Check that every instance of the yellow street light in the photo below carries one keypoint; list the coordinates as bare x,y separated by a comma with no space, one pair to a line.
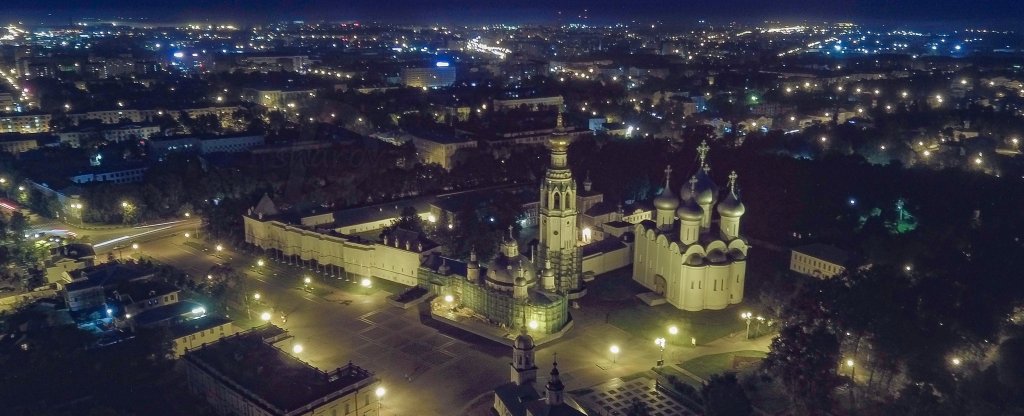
956,361
260,262
615,352
265,316
532,325
297,348
673,330
256,296
366,282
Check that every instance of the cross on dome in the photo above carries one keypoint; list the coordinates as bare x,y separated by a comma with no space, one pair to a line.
693,185
732,181
702,153
668,174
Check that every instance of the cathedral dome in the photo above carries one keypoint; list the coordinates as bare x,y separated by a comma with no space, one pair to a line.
731,206
706,191
689,211
716,256
503,271
666,201
524,341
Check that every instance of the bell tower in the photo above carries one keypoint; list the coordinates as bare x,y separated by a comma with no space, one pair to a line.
558,234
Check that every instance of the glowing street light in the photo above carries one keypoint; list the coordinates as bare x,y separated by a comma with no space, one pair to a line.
297,348
660,342
260,262
219,247
449,299
135,246
746,316
615,353
366,282
379,392
256,296
673,330
956,361
265,316
533,325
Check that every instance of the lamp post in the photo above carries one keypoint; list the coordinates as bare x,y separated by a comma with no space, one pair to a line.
660,342
757,332
615,353
379,392
746,316
305,283
265,316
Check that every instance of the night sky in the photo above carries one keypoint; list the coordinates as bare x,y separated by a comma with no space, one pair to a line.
1005,12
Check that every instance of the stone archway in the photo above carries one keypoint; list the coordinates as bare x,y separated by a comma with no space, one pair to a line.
660,284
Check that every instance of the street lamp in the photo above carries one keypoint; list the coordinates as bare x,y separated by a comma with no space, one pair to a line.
660,342
135,246
853,369
220,247
956,361
265,316
615,353
673,330
366,282
260,262
379,392
297,348
757,332
256,296
746,316
533,325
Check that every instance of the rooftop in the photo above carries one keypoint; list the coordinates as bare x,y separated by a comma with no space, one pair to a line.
167,312
270,377
197,325
107,274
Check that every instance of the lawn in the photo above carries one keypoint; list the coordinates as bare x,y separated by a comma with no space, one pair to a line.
653,322
707,365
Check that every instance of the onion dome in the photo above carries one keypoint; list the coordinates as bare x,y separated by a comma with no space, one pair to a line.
555,382
666,201
706,191
688,210
731,205
524,341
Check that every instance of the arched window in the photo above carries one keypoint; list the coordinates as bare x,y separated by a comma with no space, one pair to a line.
557,204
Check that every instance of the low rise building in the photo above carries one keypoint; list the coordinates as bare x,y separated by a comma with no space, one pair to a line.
127,173
88,287
197,333
244,374
18,143
440,149
29,123
820,260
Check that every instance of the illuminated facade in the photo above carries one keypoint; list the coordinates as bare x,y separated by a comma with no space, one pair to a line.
441,75
679,256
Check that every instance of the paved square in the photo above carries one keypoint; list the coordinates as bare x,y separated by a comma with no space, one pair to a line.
615,398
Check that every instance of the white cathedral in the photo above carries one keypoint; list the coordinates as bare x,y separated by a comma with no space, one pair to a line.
682,256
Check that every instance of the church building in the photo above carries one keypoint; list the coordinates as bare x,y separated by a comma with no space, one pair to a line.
681,255
519,397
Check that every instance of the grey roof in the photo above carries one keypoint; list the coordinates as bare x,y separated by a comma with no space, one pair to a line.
107,274
165,313
269,377
516,396
604,246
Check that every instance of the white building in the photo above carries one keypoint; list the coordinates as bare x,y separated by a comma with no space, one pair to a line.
819,260
679,255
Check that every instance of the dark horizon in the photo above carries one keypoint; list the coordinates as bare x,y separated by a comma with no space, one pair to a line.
917,13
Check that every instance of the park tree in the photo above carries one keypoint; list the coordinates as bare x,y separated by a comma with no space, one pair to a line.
724,396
